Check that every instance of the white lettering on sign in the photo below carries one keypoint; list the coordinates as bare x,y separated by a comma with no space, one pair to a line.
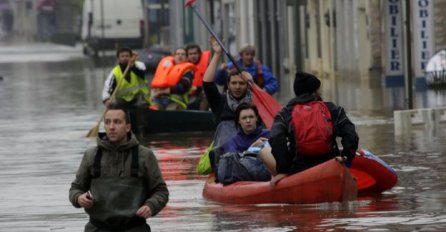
422,34
393,39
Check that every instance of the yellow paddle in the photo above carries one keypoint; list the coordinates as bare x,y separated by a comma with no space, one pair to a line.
93,133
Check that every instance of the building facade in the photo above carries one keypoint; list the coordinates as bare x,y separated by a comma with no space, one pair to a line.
350,40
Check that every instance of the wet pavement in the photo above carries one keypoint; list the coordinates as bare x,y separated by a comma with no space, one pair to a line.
49,99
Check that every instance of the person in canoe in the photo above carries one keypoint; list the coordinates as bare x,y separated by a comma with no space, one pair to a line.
304,132
262,74
223,105
119,182
240,160
201,61
130,90
172,82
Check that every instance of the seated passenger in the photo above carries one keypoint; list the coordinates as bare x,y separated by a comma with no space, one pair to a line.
240,160
304,132
223,105
172,82
201,61
261,73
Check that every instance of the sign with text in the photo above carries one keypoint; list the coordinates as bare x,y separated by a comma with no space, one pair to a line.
393,44
423,37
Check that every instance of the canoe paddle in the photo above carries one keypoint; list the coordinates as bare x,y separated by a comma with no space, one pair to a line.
93,133
268,106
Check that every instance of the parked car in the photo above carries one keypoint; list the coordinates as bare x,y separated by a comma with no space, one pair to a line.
152,56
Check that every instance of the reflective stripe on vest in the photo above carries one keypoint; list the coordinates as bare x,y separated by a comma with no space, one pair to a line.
127,91
181,100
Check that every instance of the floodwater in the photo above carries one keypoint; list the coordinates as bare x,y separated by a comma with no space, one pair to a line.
49,99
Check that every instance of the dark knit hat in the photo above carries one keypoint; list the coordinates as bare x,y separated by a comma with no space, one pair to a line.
305,83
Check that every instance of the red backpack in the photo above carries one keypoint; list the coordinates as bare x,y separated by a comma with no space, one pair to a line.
313,128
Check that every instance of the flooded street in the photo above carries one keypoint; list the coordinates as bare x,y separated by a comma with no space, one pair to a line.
50,98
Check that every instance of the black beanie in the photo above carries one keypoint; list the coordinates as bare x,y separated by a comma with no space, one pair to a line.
305,83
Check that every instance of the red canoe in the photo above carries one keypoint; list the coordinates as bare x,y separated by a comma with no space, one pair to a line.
372,174
327,182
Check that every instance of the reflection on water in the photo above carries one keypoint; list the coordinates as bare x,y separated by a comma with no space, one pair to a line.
48,107
179,154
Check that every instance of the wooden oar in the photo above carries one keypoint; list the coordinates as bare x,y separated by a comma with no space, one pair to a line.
95,130
268,106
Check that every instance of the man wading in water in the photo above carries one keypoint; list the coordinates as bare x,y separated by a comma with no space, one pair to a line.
119,182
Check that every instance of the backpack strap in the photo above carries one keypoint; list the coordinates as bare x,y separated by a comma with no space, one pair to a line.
97,163
135,160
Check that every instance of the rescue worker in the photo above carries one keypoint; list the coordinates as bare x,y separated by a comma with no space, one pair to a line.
201,60
119,182
261,73
131,90
172,81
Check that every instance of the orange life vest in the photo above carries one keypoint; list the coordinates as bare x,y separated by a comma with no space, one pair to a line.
163,68
201,68
169,74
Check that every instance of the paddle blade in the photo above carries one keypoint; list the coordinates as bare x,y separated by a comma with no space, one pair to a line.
93,133
268,106
190,3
